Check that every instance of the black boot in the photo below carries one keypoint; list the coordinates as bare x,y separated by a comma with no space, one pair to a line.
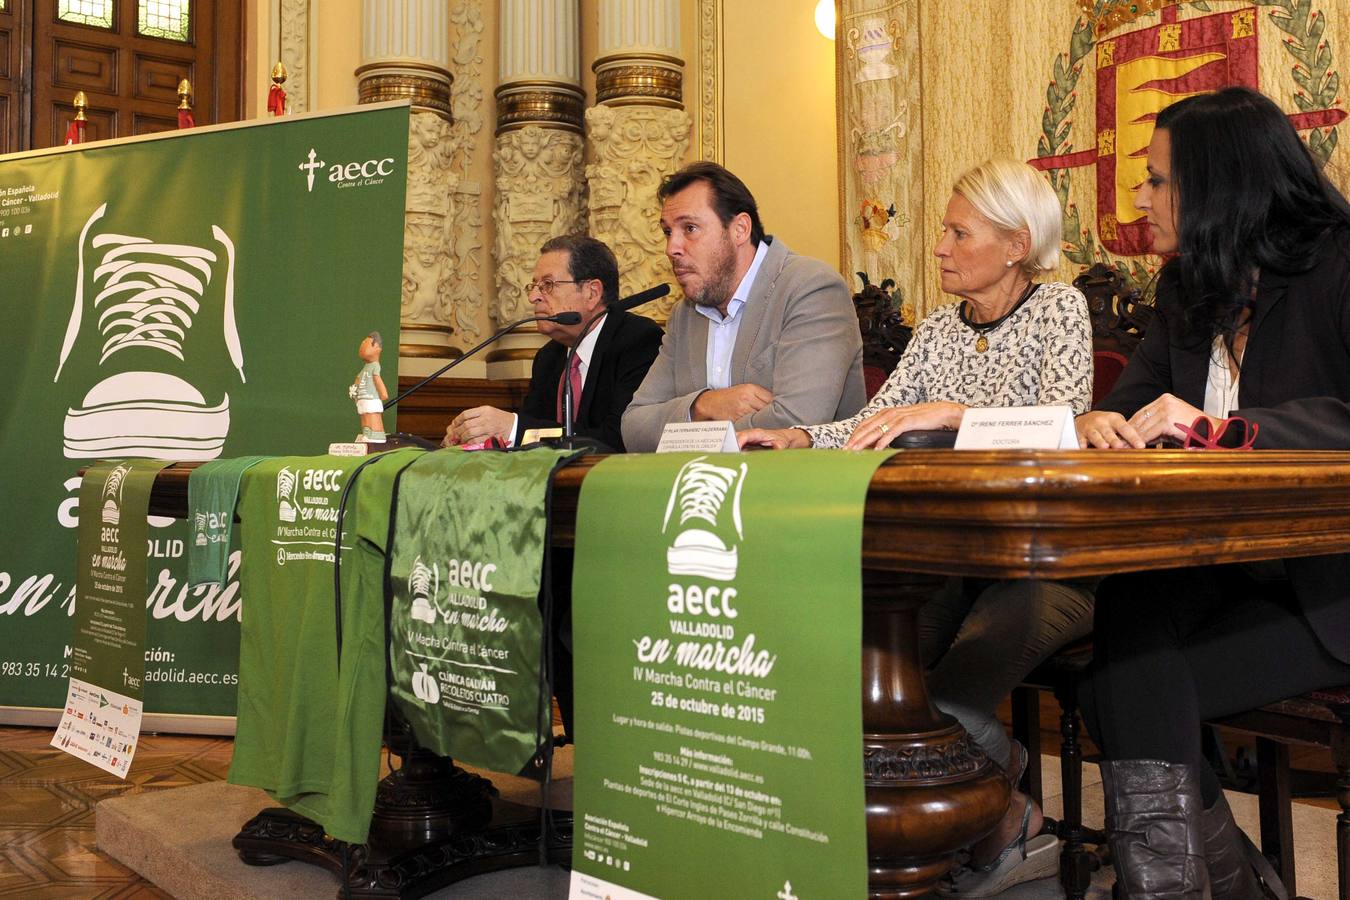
1237,871
1153,812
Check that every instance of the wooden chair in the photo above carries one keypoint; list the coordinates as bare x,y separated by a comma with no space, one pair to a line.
884,332
1319,719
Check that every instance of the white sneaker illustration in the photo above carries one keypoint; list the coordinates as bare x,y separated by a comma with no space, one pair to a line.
146,296
286,503
112,495
705,542
425,583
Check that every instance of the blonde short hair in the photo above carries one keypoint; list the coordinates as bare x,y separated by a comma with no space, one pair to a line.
1013,196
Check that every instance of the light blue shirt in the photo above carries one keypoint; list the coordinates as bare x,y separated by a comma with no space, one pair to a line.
722,330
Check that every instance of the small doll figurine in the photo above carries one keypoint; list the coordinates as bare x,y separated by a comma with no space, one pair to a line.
369,392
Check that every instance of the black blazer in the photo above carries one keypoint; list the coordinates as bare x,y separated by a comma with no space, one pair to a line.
1295,383
624,351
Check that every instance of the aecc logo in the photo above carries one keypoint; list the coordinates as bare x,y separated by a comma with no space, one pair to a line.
371,171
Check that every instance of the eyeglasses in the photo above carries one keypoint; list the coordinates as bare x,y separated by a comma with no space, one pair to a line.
1198,435
546,286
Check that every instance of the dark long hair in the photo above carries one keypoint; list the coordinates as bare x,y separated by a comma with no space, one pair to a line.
1249,196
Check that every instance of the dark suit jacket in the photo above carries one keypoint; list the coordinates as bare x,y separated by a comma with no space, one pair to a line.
624,352
1295,383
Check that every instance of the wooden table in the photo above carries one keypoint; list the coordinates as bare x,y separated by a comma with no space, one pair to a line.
1019,514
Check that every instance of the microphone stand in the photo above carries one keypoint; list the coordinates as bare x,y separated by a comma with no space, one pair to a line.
570,439
401,439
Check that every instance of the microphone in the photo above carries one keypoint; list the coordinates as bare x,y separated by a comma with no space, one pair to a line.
627,303
562,318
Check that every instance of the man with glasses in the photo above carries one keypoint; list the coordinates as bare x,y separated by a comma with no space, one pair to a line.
575,273
765,338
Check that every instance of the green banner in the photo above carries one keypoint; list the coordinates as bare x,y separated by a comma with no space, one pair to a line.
102,719
464,625
182,297
309,715
717,622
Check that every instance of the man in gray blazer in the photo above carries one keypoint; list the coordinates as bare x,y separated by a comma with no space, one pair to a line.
765,338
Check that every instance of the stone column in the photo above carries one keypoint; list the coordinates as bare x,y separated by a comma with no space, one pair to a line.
638,134
405,54
537,160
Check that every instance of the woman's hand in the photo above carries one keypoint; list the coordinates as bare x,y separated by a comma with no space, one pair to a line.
879,430
1161,418
774,438
1106,431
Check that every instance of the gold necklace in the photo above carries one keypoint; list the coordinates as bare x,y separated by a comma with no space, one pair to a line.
982,328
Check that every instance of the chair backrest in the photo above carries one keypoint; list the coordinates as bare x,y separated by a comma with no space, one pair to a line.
1106,368
884,332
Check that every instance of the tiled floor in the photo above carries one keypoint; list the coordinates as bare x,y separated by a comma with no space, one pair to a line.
47,847
47,802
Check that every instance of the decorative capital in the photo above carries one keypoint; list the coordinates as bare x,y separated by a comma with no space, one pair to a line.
551,104
635,78
428,87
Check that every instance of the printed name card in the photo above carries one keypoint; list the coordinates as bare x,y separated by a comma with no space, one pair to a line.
1017,428
698,437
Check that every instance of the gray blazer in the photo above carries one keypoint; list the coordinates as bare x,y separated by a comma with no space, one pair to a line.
798,338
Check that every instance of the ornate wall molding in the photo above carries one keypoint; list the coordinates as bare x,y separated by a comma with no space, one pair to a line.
538,181
297,47
710,144
462,295
424,86
633,148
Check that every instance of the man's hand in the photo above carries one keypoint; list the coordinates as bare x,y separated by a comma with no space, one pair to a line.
730,403
774,438
478,424
879,430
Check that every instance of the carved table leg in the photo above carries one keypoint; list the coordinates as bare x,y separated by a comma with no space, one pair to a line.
930,789
434,824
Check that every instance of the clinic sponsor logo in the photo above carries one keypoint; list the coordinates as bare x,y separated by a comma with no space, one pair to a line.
357,173
703,518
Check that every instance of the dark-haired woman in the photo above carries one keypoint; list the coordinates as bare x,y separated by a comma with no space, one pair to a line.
1253,321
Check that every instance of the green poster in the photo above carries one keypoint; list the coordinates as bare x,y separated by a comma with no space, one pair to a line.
717,622
464,625
182,297
103,707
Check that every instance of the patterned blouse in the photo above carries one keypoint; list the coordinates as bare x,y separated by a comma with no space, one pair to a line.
1041,355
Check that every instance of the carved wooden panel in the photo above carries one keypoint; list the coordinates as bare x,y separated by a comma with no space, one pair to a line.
101,125
157,78
130,78
146,124
82,67
12,42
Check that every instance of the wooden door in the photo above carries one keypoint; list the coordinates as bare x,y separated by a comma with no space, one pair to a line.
110,50
14,42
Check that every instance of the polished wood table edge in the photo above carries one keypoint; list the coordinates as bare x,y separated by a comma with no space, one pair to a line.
1058,514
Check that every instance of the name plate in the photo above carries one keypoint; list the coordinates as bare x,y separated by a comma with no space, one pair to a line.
535,435
1017,428
348,448
698,437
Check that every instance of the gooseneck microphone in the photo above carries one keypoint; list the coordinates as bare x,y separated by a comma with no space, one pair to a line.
562,318
627,303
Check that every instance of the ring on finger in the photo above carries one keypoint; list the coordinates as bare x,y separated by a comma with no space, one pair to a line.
883,427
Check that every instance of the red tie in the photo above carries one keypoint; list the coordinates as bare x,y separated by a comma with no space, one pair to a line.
574,375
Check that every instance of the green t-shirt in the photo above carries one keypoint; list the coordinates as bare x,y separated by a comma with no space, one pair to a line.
309,727
365,382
